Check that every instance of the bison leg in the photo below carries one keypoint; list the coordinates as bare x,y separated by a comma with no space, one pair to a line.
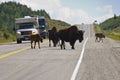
34,44
58,43
97,39
54,43
72,47
62,44
101,39
72,44
49,43
39,44
31,44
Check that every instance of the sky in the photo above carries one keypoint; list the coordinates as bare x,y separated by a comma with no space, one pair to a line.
75,11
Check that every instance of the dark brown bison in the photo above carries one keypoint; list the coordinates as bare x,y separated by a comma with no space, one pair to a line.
35,38
99,37
70,34
52,36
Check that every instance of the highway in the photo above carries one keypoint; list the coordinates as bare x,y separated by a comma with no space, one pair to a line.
89,61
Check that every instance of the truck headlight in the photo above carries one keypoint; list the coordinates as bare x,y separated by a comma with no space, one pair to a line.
34,32
18,32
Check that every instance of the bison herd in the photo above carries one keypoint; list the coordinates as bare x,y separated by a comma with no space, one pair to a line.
70,35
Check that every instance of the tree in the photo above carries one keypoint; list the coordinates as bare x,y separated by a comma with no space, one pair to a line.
115,17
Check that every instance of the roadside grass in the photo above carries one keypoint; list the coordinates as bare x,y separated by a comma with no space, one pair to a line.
114,36
3,41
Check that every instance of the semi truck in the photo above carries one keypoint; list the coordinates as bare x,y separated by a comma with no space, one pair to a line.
29,25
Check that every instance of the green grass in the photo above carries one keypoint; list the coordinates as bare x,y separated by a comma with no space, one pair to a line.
114,37
3,41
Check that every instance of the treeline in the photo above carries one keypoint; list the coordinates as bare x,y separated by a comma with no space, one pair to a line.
11,10
111,23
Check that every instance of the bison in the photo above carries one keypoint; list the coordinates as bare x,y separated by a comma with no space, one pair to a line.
52,35
99,37
70,34
35,38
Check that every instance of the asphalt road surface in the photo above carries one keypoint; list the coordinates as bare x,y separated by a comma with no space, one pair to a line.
89,61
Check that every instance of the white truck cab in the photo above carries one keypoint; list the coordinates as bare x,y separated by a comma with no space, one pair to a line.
25,27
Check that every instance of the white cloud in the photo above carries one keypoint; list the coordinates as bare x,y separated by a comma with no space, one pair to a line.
57,11
108,12
42,4
39,4
72,16
105,9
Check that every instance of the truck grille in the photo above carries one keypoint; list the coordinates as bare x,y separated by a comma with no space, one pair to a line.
26,32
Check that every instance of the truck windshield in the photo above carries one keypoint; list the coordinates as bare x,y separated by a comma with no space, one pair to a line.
42,23
26,26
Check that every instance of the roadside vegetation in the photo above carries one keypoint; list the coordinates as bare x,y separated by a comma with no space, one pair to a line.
6,36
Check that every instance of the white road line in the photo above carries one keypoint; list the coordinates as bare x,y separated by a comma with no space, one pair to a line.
73,77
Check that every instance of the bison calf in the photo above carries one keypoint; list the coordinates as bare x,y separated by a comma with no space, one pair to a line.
99,37
35,38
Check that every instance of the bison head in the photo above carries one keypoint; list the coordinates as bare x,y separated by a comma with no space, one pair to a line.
81,35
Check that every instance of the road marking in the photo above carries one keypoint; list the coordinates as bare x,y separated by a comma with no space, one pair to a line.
15,52
73,77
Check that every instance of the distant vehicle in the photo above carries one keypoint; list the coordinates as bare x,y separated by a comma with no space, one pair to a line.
29,25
